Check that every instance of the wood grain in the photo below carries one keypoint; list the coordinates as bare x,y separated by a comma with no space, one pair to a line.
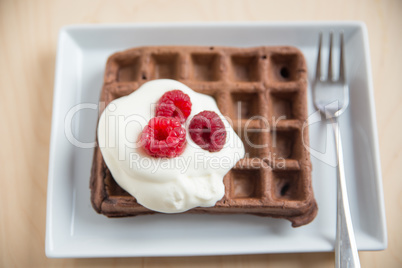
28,40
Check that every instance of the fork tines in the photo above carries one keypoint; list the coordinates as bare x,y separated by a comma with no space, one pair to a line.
330,75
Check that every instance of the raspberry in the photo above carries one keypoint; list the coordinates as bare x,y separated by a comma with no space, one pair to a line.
208,131
175,104
163,137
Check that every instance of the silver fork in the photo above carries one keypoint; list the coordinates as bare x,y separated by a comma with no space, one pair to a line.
328,100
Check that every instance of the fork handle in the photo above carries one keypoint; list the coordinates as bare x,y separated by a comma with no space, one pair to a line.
346,254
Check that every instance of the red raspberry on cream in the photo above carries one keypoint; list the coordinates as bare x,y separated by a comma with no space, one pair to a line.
208,131
163,137
175,104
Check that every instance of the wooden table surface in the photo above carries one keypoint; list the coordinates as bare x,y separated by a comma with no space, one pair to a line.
28,40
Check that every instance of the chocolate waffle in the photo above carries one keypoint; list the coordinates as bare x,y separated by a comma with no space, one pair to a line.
262,90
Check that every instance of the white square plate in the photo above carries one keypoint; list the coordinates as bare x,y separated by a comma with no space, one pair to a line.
74,229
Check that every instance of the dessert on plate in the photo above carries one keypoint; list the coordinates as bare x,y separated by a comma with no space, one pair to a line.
251,102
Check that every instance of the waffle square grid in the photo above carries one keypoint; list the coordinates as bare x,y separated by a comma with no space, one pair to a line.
262,90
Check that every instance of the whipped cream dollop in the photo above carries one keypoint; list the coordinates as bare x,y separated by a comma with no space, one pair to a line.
169,185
